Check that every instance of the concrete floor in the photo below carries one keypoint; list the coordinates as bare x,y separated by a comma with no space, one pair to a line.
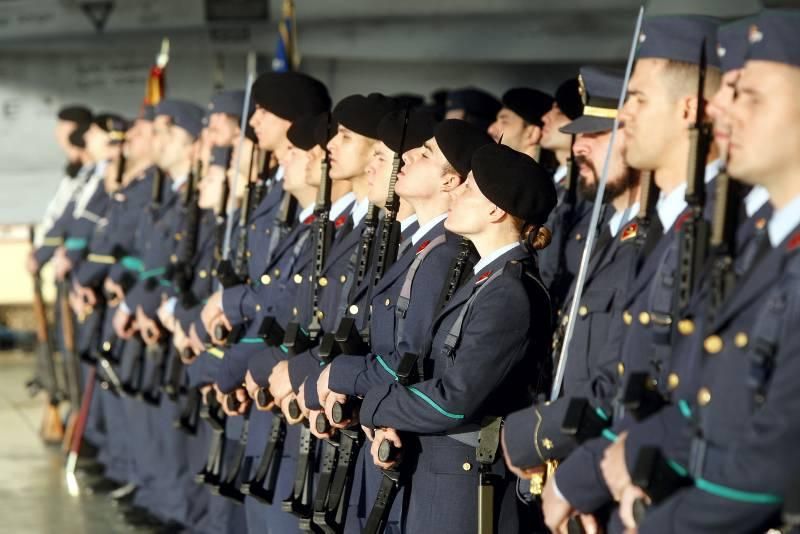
33,492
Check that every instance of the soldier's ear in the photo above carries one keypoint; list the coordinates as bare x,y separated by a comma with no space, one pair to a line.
496,214
532,135
450,181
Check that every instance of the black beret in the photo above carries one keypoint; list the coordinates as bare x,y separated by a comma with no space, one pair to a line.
186,115
229,102
774,37
301,132
515,182
325,129
148,113
458,140
220,156
408,100
474,101
78,114
530,104
679,38
420,127
362,114
291,95
568,98
732,43
600,89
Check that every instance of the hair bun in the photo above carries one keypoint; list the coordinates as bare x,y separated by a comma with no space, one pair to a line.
537,237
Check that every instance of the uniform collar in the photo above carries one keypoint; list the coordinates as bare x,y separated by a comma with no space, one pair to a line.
100,168
755,199
783,222
408,221
489,258
560,174
672,205
423,230
306,213
359,210
341,203
621,218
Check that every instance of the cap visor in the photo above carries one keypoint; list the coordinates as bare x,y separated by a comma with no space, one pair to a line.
586,124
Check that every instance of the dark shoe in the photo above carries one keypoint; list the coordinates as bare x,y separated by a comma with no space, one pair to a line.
102,486
89,467
140,517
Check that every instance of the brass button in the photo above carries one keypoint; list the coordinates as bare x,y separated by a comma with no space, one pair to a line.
578,237
323,281
258,307
203,274
620,368
741,340
253,226
106,346
627,318
342,279
178,236
644,318
673,381
213,272
547,444
266,279
583,311
713,344
353,310
298,279
466,466
320,315
294,311
686,327
248,254
761,223
703,396
387,302
276,272
173,258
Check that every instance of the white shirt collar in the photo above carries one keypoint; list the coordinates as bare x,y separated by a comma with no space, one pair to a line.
279,174
178,182
486,260
408,221
757,197
422,230
359,210
560,174
671,206
621,218
340,204
783,222
100,168
305,213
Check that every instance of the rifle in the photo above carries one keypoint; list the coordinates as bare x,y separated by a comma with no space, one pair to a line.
52,429
76,436
695,229
157,194
722,277
264,159
72,370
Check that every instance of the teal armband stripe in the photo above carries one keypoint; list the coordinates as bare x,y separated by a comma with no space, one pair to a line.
609,435
736,495
386,367
251,340
165,283
284,349
132,263
678,468
76,243
601,414
433,405
152,273
686,411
